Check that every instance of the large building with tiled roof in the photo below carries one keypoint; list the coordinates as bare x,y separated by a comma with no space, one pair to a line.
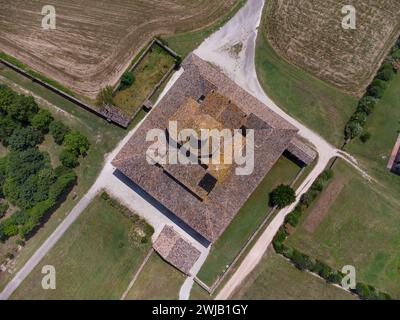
207,197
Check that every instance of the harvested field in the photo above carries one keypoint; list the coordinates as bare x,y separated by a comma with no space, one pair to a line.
310,35
95,40
322,206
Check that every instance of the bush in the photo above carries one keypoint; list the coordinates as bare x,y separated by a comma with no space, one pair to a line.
105,97
365,137
58,130
25,138
326,175
386,75
360,117
127,80
302,261
77,143
375,91
42,120
366,104
308,198
9,255
69,159
353,130
22,109
293,218
282,196
280,236
380,83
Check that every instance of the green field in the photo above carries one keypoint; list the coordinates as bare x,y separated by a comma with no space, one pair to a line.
318,105
360,228
185,43
384,126
277,279
147,75
95,259
157,281
246,221
103,137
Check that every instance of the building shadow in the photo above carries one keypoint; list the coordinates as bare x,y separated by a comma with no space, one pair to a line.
165,211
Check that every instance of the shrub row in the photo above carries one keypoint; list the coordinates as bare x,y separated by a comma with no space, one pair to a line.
293,218
355,126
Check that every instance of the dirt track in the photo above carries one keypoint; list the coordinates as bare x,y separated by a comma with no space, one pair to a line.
95,40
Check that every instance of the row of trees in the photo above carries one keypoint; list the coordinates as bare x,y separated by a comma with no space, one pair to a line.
355,126
27,178
304,262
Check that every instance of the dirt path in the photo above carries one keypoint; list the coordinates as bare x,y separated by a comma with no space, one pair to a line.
321,208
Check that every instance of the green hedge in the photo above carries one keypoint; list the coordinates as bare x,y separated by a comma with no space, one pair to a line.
355,126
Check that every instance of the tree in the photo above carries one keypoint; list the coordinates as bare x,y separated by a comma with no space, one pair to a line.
127,80
69,159
58,130
77,143
7,127
282,196
25,138
42,120
386,74
105,97
23,108
7,97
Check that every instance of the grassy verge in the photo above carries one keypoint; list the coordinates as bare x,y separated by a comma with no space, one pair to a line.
359,228
246,221
103,137
318,105
147,75
185,43
157,281
276,278
95,259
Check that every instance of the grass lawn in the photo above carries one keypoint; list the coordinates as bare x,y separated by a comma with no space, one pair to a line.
384,126
360,228
95,259
147,74
277,279
246,221
185,43
318,105
103,137
157,281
